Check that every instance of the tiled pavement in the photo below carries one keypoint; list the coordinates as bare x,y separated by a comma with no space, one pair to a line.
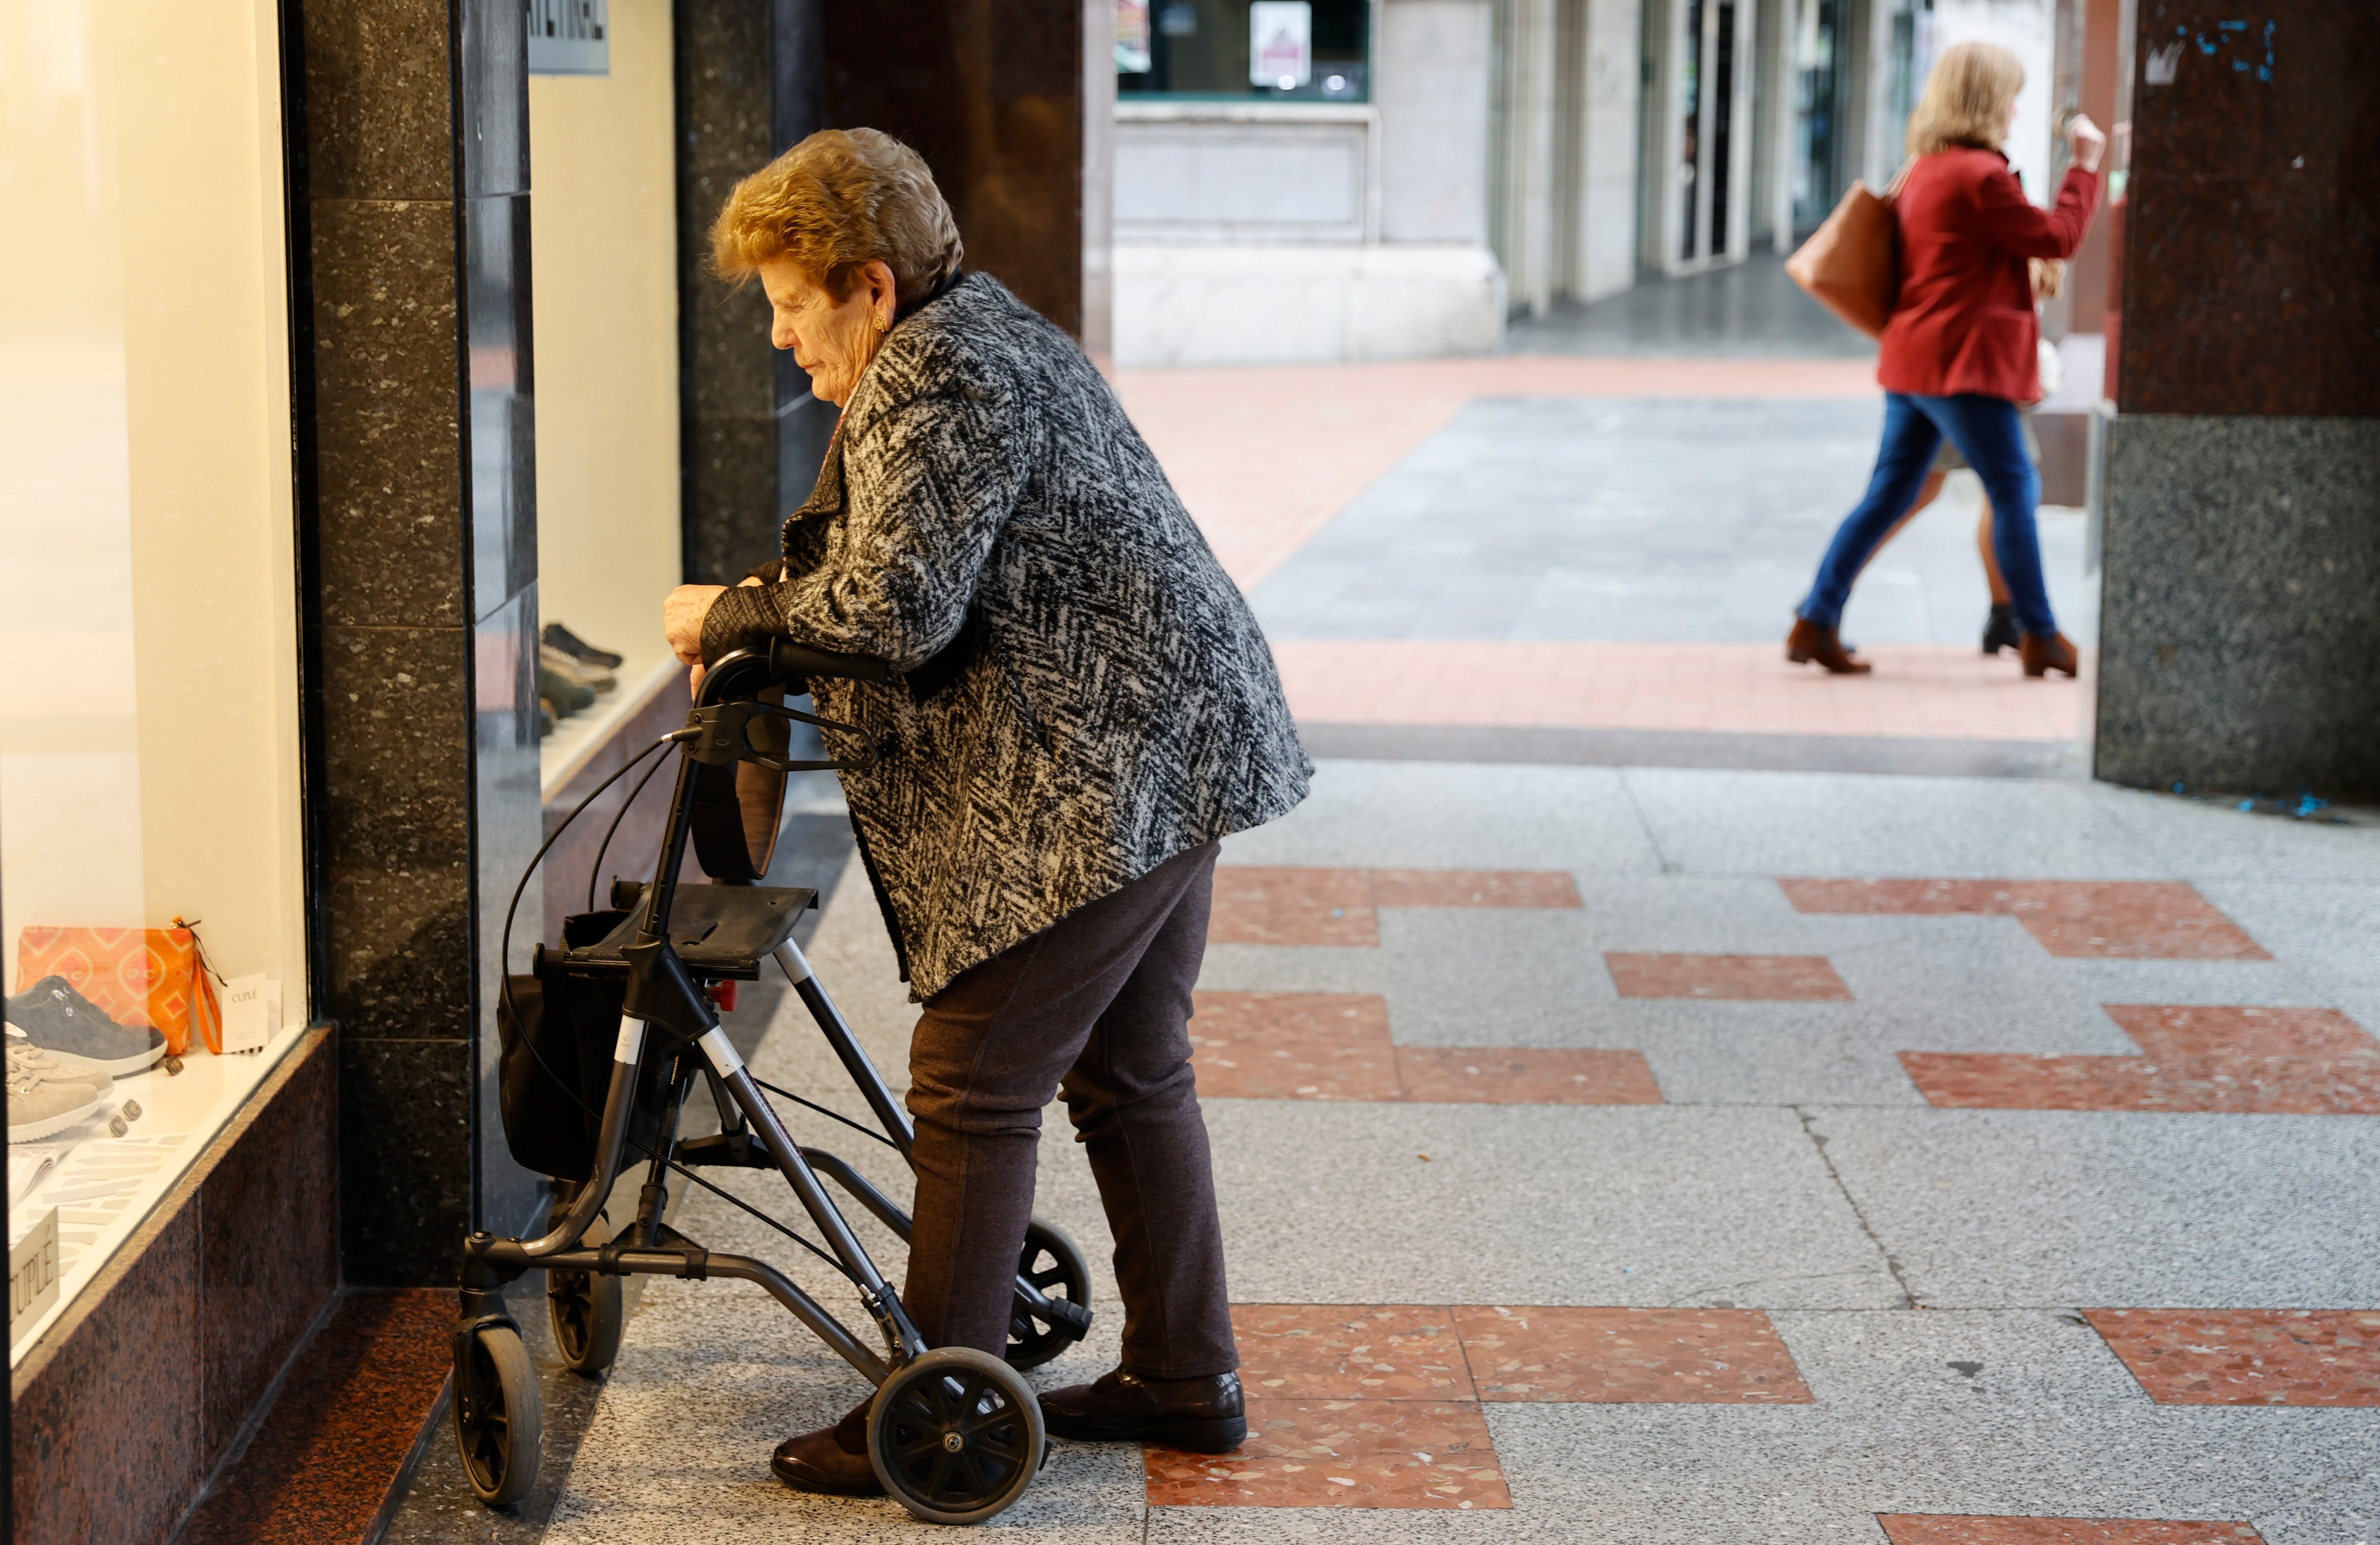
1770,1256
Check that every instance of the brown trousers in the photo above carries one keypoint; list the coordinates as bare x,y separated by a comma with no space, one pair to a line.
1096,1005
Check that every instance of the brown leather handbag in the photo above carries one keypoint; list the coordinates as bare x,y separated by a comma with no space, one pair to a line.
1851,263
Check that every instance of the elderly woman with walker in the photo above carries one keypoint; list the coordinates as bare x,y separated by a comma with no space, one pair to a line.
1080,706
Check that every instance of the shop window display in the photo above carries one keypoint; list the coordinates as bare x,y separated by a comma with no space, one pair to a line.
1266,49
151,885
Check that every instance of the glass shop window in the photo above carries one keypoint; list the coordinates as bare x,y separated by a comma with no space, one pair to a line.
151,900
1266,49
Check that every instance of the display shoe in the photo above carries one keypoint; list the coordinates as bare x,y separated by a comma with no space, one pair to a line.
23,1052
2000,629
70,1027
41,1106
566,696
2045,652
593,677
1205,1416
832,1461
544,718
1809,643
577,648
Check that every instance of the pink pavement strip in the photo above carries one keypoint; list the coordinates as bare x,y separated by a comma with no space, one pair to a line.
1265,456
1946,691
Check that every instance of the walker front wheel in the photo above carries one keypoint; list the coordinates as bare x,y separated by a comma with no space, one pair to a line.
498,1417
955,1436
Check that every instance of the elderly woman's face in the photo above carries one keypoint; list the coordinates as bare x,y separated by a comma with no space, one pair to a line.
833,340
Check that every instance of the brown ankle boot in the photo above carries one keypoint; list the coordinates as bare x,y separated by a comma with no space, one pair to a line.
1809,643
2043,653
832,1461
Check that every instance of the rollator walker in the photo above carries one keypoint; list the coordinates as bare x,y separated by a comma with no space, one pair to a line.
603,1042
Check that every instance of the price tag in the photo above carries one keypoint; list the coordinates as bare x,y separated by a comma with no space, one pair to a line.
33,1273
251,1013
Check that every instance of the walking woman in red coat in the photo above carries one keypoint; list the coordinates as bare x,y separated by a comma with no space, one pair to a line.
1961,349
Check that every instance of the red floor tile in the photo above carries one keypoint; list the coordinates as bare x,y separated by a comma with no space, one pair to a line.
2197,1030
1293,1046
1543,889
1337,1046
1525,1075
2137,920
1744,977
1350,1352
1925,1529
2247,1356
1292,906
1665,1357
1400,1454
2244,1061
330,1451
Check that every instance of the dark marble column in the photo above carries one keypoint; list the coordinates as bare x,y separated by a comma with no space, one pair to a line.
751,433
2241,616
411,205
991,93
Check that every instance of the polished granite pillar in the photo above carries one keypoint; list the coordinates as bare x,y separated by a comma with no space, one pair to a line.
752,436
2240,632
991,93
409,211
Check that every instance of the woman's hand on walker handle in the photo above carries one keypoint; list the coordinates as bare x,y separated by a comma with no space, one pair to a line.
682,619
2086,140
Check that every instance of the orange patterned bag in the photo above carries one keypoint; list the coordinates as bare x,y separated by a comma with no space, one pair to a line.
156,977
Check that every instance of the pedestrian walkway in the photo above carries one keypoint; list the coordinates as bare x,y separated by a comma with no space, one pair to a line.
1654,1155
1603,543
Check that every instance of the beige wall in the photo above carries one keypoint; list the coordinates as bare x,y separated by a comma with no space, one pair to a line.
602,251
148,727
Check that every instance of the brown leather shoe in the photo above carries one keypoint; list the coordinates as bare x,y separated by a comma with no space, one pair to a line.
1205,1416
1810,642
2042,654
832,1461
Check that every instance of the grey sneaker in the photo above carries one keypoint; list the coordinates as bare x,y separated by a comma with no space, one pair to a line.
40,1106
23,1054
77,1032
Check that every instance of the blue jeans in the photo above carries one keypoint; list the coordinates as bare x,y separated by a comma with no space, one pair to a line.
1986,433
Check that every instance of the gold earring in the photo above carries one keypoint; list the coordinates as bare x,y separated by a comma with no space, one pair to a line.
881,322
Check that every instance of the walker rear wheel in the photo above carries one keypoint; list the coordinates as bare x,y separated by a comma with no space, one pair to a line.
586,1310
1054,1263
955,1436
498,1420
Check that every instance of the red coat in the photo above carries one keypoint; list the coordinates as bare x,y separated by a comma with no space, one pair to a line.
1963,321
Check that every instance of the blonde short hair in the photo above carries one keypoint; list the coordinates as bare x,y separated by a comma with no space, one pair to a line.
836,202
1967,96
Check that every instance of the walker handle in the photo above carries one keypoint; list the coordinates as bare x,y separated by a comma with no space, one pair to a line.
788,659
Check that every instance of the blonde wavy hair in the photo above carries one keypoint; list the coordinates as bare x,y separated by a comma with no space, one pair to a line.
840,198
1966,99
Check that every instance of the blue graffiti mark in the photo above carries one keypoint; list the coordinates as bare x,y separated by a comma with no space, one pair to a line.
2213,44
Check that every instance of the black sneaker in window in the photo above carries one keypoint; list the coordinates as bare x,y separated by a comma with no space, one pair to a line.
577,648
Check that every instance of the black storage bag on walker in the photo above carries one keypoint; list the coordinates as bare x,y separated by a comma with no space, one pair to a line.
558,1034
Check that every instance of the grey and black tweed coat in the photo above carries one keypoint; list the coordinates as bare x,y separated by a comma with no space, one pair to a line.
1086,694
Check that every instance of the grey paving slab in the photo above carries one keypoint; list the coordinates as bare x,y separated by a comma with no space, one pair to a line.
1748,308
2342,1510
2048,1424
1456,815
1650,520
2117,1210
2213,840
1325,1202
2334,925
1712,822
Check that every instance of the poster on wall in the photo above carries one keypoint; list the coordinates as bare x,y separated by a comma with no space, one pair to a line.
1132,53
1280,44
